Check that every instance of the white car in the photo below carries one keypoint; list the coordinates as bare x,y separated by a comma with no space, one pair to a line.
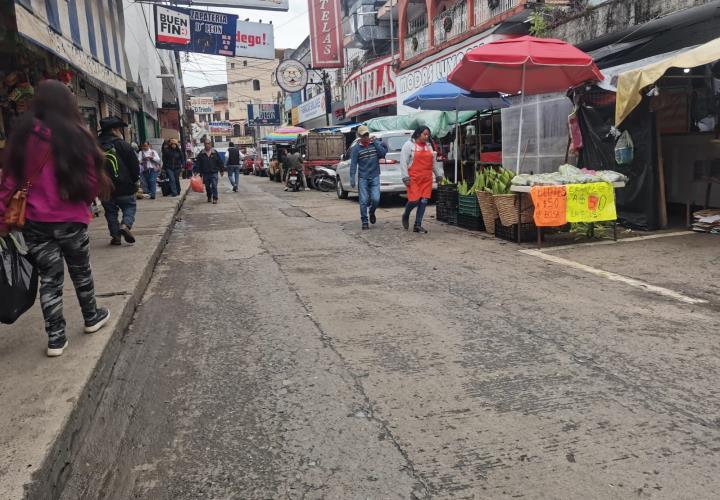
390,176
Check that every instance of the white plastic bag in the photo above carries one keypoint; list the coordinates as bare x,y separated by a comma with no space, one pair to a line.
624,149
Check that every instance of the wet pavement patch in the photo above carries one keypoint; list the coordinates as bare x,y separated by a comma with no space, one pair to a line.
293,212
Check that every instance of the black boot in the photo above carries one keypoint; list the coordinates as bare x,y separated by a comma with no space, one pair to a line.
419,229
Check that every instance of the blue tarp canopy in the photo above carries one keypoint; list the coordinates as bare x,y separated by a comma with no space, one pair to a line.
444,96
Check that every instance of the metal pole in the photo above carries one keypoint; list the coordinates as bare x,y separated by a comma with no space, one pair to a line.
392,34
457,143
522,107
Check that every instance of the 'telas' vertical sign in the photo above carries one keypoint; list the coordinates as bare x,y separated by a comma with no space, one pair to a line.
325,34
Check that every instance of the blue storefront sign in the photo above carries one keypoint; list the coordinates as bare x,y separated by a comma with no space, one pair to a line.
264,114
191,30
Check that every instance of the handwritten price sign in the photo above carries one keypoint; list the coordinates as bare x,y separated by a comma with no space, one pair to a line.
591,202
550,205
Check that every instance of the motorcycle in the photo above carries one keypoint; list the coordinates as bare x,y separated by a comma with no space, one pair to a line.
294,182
323,179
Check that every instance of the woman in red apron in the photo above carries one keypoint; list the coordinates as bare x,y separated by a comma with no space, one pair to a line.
418,166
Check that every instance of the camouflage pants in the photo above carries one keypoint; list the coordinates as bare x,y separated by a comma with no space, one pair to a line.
48,244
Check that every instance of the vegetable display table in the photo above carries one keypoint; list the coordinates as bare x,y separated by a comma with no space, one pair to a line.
528,189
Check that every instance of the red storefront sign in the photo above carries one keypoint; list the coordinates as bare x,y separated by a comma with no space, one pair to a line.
325,33
370,87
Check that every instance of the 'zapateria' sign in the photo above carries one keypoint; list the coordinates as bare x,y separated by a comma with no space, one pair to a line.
195,30
370,87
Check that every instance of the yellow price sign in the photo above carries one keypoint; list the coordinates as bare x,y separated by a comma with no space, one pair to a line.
591,202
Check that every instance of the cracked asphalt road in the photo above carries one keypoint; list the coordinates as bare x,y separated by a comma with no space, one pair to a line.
279,355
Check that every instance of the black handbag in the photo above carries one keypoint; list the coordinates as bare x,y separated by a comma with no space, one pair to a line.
18,279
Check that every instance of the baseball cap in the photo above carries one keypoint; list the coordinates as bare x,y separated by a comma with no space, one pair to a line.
362,130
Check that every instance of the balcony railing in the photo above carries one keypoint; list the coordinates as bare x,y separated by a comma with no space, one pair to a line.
485,10
451,23
416,43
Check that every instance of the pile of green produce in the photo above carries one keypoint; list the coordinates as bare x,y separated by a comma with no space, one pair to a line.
488,180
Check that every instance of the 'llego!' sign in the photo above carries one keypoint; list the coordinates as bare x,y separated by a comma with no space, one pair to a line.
325,34
254,40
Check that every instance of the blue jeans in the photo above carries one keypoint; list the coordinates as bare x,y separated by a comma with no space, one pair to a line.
421,205
128,205
150,177
211,185
234,175
173,177
369,196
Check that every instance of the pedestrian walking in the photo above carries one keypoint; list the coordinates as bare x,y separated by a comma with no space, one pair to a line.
417,165
56,158
173,162
365,161
209,164
123,168
233,162
150,165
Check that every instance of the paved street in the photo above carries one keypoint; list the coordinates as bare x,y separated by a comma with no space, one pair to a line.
280,352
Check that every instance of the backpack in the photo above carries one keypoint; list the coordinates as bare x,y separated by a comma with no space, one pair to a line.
112,164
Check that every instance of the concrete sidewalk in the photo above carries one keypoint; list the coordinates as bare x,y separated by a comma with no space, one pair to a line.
39,412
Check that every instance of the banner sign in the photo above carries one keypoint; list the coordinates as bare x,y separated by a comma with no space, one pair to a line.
591,202
326,46
191,30
370,87
312,108
202,105
244,140
550,205
295,116
254,40
264,114
220,128
280,5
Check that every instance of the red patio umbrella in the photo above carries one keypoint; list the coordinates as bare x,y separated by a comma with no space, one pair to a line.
526,65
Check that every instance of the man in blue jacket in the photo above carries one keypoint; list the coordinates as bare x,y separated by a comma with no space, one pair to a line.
365,161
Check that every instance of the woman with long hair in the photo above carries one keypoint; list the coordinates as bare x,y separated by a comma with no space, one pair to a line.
51,150
417,164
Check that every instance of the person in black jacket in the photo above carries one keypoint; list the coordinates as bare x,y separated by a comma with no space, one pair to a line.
123,168
209,164
233,162
173,162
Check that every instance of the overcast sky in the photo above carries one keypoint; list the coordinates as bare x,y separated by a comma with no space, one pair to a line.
291,28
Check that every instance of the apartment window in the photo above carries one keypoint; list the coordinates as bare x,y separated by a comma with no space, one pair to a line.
74,26
216,117
227,115
103,33
232,65
256,85
26,3
51,7
113,16
244,63
91,28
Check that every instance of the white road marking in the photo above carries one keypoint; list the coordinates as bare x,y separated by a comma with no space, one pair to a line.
623,240
665,292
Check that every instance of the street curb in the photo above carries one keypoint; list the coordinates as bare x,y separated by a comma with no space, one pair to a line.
49,479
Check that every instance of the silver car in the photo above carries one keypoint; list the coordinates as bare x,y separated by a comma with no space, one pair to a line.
390,177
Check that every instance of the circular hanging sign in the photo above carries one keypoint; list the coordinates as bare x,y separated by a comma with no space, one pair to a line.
291,75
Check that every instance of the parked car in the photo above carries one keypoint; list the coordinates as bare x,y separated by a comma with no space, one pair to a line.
390,177
248,166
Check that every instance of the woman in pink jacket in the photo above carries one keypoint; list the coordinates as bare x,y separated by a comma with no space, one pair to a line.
51,148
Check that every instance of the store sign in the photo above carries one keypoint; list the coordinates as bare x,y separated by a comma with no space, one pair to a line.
312,108
370,87
202,105
35,29
435,67
255,40
244,140
326,47
264,114
169,118
295,116
220,128
291,75
280,5
198,31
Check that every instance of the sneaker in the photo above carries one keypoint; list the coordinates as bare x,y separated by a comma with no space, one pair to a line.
214,202
419,229
406,222
307,189
56,348
373,219
115,240
101,317
365,226
125,232
285,189
235,189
